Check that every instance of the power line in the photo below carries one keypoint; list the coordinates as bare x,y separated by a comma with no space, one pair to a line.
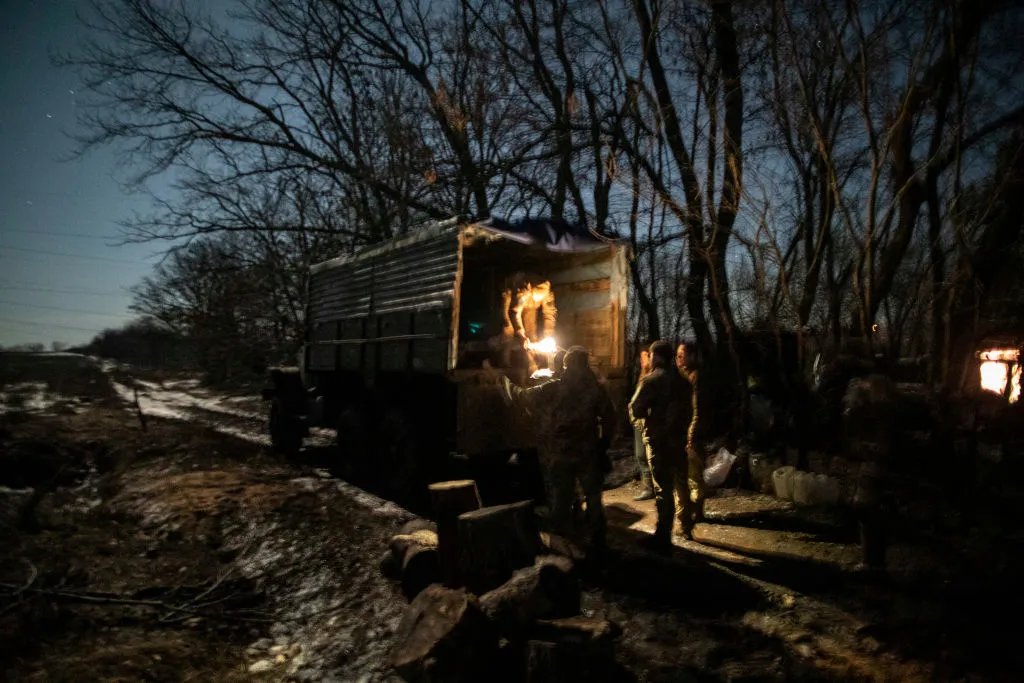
57,233
78,256
11,321
15,288
62,310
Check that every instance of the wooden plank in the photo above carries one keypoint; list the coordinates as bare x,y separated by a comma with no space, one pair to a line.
603,284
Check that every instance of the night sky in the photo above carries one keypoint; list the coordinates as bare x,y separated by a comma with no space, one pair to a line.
63,276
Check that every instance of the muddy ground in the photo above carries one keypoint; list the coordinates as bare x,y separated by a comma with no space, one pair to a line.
188,551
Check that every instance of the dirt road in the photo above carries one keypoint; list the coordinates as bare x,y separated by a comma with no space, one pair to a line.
187,551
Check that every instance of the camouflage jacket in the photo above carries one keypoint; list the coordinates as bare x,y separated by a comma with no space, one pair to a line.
569,415
664,401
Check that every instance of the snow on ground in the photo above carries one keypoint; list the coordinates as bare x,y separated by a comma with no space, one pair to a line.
188,394
28,397
243,417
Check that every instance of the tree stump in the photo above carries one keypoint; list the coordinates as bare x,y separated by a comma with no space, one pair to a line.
494,542
449,499
417,555
444,636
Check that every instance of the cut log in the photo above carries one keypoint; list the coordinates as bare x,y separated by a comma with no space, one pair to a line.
449,499
420,568
547,590
416,554
494,542
560,545
582,630
577,648
402,542
417,524
444,636
389,565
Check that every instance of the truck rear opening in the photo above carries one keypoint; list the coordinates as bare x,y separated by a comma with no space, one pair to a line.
408,336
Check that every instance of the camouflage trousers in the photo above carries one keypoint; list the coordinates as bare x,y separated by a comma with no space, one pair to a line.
562,475
678,473
643,469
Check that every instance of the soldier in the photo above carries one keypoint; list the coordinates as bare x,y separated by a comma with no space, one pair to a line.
869,424
693,508
643,467
575,416
663,401
529,315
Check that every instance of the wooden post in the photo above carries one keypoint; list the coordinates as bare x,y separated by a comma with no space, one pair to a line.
449,499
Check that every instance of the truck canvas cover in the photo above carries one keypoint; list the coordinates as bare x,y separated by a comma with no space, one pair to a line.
396,306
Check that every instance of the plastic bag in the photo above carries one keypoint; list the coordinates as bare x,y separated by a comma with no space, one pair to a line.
717,467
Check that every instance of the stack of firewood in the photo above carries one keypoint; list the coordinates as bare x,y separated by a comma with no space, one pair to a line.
491,598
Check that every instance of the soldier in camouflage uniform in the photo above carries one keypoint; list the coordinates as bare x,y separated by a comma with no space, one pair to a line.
574,417
663,400
870,409
693,504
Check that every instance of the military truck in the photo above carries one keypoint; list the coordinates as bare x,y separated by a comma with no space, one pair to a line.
401,344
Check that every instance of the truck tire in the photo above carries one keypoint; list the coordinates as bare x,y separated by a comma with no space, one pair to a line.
285,432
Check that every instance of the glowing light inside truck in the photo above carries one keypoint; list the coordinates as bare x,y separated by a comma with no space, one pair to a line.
1005,355
1001,369
993,376
545,345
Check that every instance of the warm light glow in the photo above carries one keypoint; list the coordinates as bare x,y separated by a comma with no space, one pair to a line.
1011,355
538,296
542,373
1015,384
993,377
545,345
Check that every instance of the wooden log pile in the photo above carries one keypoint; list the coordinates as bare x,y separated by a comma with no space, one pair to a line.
501,603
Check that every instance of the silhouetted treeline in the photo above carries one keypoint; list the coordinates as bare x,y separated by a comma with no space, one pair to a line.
145,345
829,169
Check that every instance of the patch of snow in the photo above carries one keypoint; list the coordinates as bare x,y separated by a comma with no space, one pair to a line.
28,397
148,405
183,399
190,383
57,354
175,406
251,437
379,506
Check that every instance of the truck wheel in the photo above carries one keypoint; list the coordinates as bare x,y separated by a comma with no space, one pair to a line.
285,436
